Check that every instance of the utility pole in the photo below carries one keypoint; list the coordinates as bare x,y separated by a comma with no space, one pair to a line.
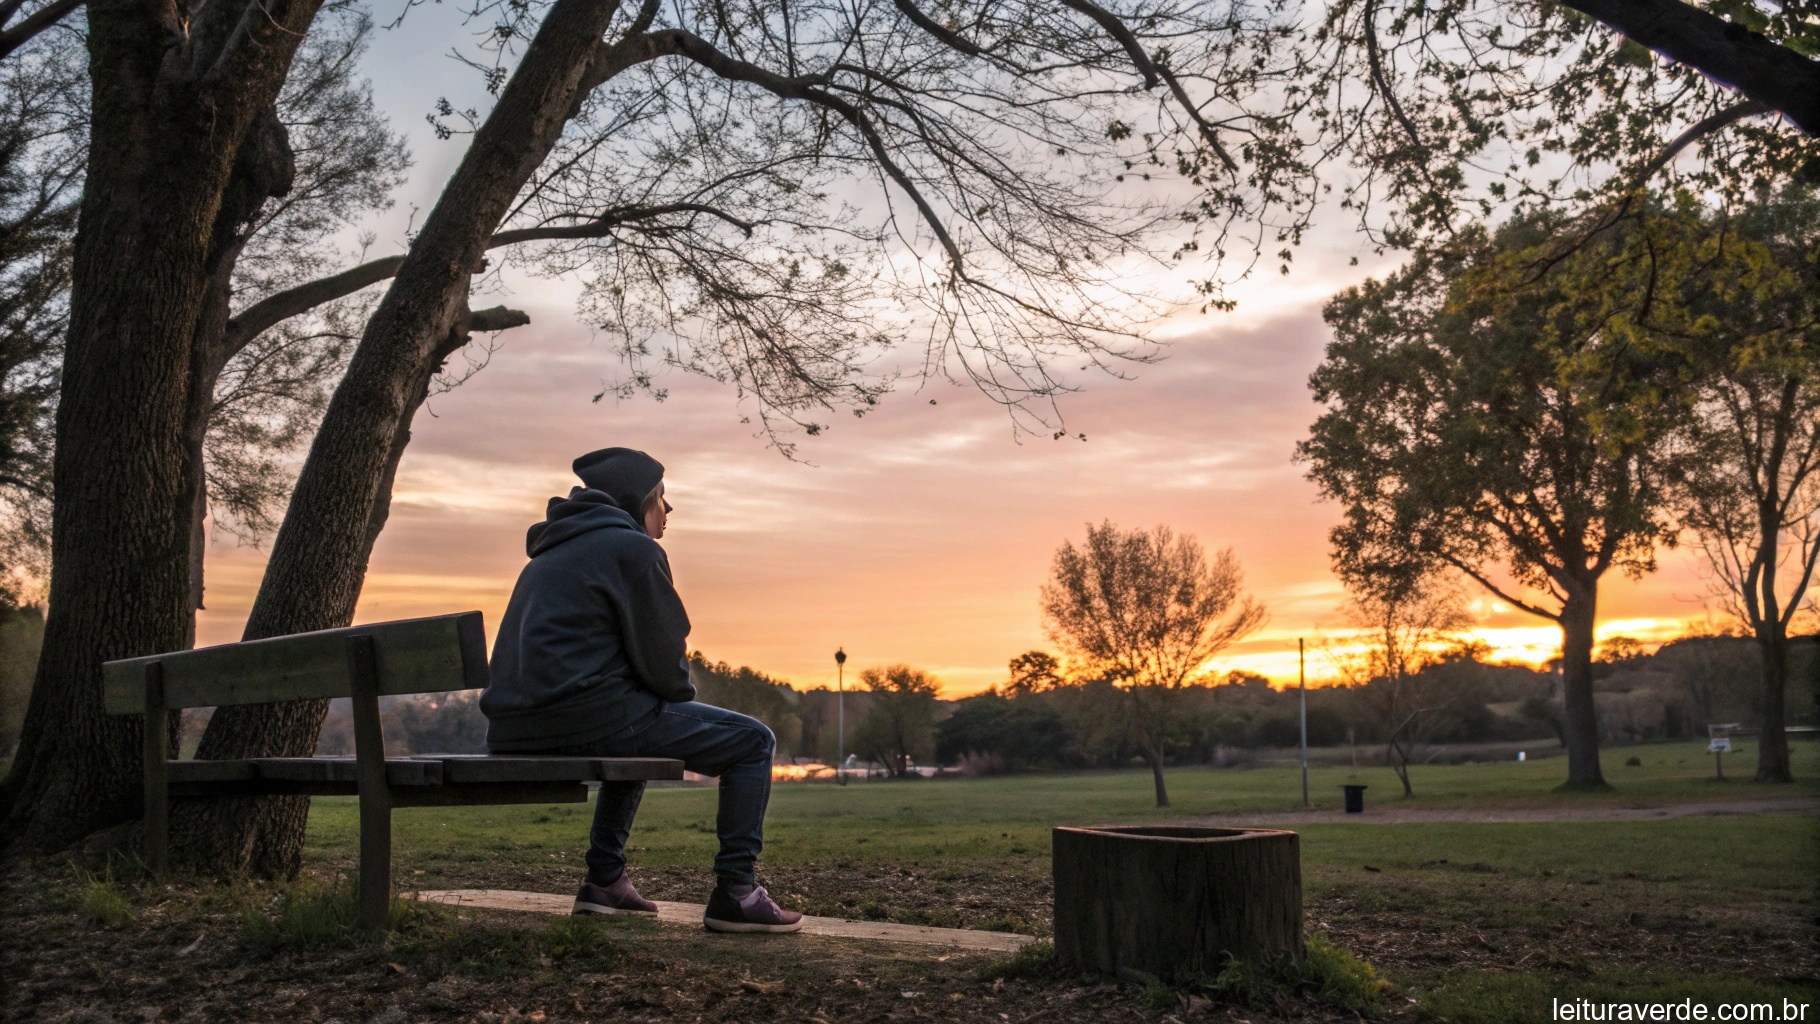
840,715
1301,657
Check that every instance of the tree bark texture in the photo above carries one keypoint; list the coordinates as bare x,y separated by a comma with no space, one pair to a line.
1155,759
1174,902
264,835
173,107
1580,715
319,557
1772,745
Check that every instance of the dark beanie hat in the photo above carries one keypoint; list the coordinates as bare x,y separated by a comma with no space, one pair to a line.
625,475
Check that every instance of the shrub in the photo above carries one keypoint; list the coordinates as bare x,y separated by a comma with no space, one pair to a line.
99,901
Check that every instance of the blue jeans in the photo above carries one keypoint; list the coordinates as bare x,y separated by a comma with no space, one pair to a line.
709,741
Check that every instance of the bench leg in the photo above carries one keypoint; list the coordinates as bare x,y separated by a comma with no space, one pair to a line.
375,897
157,772
373,908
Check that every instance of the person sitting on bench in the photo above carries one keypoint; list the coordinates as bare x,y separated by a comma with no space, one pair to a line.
590,661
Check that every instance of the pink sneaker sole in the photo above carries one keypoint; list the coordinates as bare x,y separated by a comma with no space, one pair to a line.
747,926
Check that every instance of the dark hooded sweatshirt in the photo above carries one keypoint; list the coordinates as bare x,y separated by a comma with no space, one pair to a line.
593,639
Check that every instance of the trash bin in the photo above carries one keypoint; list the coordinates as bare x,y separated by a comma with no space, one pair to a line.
1355,799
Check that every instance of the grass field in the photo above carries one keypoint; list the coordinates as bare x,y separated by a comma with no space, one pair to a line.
1008,818
1467,921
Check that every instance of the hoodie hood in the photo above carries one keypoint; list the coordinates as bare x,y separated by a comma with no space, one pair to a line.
583,511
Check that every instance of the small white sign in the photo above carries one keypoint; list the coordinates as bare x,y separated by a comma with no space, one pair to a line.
1721,745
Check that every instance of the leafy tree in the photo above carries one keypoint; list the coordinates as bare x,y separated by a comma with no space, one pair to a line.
1034,672
1014,732
1510,417
899,724
1751,493
1146,610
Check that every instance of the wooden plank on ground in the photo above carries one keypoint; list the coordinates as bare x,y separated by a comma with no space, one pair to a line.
429,655
690,914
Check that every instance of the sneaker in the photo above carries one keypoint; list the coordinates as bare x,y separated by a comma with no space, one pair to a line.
753,912
618,898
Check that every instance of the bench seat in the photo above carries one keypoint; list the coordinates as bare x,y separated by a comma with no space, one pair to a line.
430,770
421,781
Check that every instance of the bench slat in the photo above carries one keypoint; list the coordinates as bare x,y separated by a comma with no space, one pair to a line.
436,769
482,768
489,793
212,771
429,655
399,771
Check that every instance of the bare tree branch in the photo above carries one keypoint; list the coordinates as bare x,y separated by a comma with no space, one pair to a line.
953,40
261,316
44,17
1774,75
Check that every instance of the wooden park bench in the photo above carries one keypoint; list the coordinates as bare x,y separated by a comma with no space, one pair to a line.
431,655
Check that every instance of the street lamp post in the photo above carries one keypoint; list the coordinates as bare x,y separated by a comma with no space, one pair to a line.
1301,659
840,715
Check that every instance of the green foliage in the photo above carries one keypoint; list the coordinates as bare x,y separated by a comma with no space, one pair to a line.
99,899
899,724
1489,410
1324,974
1335,977
1019,732
1034,961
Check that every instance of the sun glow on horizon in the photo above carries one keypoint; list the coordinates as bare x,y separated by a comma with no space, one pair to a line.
1531,646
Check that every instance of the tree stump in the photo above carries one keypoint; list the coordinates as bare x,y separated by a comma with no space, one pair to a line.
1172,902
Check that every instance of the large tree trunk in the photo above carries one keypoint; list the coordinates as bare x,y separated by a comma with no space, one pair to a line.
1154,758
264,835
1579,712
319,558
171,109
1772,745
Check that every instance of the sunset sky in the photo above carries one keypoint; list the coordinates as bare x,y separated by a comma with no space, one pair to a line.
919,534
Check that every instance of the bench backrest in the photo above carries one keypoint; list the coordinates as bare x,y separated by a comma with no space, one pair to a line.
430,655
